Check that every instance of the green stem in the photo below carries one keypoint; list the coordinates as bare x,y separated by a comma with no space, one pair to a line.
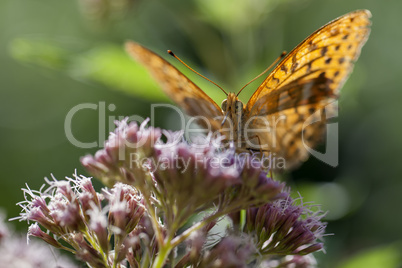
146,260
195,227
151,212
242,219
163,253
94,243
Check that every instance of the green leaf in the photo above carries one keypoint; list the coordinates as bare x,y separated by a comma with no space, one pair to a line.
106,64
111,66
385,257
39,52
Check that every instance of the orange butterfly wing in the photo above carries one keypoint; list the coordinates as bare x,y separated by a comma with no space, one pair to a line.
304,82
178,87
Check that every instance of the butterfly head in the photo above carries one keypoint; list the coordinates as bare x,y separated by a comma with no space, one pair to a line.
233,110
232,104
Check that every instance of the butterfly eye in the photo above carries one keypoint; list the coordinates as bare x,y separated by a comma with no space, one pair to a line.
224,105
239,106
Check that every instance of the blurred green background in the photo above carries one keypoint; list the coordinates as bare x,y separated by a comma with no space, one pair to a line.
57,54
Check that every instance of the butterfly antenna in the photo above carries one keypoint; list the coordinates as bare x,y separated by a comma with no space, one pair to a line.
172,54
266,70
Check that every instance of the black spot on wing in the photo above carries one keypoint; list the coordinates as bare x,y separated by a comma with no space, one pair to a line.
309,66
294,66
324,51
284,68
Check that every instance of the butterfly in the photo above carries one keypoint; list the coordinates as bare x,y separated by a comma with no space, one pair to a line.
288,110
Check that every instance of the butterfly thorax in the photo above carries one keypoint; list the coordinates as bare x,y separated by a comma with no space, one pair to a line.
233,111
